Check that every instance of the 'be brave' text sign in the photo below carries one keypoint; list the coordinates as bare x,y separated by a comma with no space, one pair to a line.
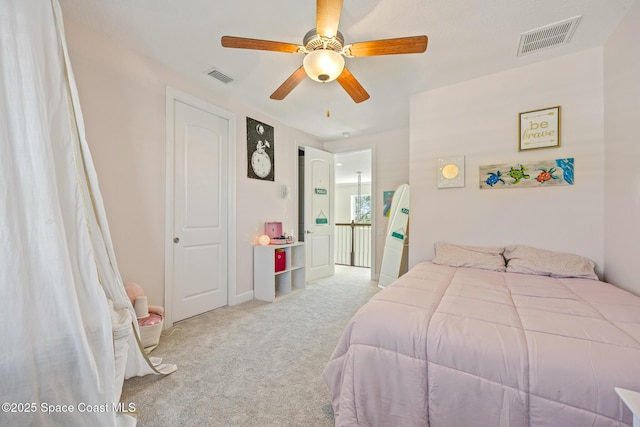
540,129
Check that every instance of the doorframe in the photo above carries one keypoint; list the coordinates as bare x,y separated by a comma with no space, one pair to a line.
173,95
374,192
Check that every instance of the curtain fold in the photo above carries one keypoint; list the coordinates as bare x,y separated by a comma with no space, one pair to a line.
62,300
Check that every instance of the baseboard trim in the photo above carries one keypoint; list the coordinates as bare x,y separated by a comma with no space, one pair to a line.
239,299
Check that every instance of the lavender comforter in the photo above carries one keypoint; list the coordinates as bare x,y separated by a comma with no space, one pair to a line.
447,347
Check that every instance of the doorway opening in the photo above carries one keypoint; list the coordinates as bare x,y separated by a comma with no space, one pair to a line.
353,202
354,208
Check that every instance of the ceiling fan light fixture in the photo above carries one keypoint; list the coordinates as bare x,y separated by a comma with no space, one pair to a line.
323,65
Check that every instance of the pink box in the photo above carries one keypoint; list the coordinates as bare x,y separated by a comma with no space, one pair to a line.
281,260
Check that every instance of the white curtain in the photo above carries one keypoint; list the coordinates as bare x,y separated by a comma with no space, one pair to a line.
62,301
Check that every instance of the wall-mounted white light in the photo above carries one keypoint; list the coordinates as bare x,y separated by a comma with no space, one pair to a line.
451,172
284,191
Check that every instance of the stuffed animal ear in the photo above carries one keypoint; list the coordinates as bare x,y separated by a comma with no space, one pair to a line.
133,290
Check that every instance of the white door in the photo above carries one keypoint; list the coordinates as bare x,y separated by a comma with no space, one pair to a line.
200,217
318,213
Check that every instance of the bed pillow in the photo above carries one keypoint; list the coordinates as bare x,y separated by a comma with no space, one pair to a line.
541,262
487,258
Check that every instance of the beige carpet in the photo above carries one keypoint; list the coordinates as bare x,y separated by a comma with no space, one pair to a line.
254,364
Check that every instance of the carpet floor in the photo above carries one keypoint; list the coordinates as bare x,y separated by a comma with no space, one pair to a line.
254,364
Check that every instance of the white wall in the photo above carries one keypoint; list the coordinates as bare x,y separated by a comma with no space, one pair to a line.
390,169
123,100
622,153
479,119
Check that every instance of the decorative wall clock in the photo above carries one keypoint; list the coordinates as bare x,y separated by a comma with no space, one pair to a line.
260,150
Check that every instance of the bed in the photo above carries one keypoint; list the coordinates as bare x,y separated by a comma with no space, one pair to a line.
464,341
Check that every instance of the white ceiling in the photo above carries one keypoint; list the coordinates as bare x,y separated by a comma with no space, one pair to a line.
467,39
347,166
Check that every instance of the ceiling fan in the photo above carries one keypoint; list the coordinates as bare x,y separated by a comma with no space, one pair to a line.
324,51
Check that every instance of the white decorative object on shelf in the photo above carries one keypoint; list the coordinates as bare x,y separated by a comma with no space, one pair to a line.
268,284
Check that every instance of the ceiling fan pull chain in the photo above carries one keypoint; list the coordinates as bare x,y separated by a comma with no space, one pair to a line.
328,109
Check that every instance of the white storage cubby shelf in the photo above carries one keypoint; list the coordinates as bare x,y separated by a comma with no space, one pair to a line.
269,284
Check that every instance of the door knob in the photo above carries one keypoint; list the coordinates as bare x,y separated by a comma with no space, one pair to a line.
176,240
308,231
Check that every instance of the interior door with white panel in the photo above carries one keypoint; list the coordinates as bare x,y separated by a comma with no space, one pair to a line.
200,215
318,213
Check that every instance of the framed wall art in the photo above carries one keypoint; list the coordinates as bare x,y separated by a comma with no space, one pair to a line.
541,173
539,129
260,150
387,197
451,172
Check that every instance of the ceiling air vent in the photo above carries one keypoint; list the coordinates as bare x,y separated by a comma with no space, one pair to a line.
218,75
549,36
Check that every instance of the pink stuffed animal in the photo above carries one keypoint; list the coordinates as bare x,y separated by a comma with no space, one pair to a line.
134,290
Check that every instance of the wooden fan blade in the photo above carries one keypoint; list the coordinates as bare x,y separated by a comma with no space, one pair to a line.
352,86
289,84
244,43
328,17
416,44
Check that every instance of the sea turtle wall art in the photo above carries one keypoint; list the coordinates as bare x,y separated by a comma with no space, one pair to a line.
543,173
